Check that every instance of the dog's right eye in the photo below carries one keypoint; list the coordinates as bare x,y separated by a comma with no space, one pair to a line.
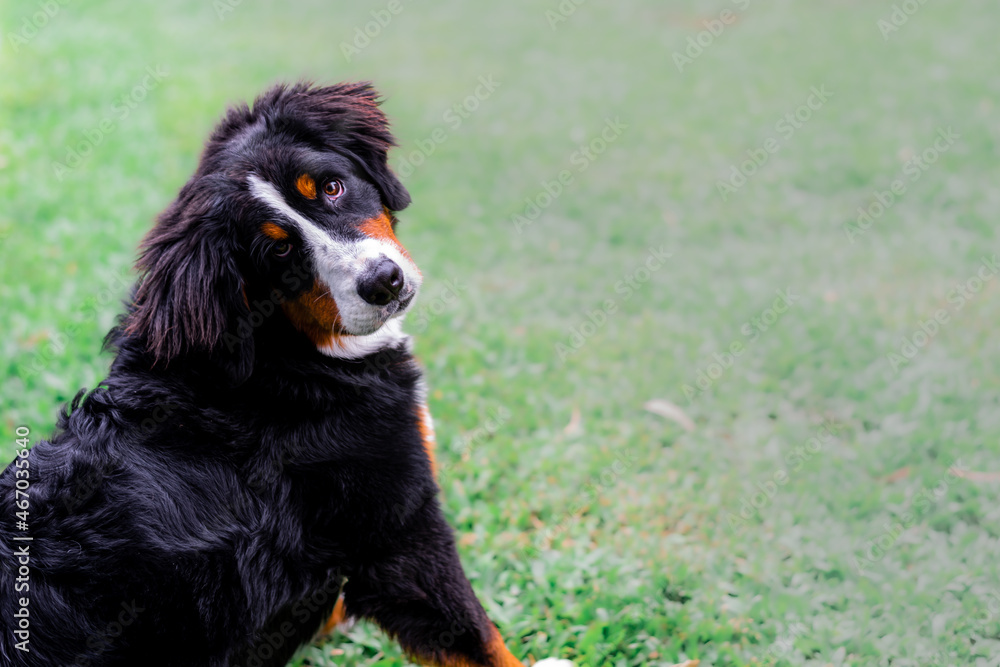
282,249
333,189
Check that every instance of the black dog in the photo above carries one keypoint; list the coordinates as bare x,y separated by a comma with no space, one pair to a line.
261,445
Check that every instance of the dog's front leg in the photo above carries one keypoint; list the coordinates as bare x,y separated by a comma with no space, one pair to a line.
421,596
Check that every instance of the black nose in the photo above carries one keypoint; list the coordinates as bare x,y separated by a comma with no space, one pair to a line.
382,283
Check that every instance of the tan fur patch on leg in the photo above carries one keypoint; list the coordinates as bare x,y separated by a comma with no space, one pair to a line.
338,616
426,426
496,651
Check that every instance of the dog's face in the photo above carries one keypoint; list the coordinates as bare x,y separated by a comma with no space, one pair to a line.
326,241
293,203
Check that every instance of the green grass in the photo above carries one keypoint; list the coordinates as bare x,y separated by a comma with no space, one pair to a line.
658,566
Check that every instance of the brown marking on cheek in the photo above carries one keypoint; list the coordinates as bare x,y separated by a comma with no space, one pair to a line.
380,227
426,426
315,314
338,616
273,231
306,186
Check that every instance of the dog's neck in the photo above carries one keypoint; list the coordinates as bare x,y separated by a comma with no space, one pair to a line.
390,335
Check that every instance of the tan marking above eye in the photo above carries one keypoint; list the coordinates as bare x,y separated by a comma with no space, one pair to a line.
273,231
306,186
380,227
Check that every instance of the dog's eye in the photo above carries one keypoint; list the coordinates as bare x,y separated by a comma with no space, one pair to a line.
333,189
283,249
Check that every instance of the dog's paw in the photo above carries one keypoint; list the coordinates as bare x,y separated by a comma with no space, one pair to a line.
554,662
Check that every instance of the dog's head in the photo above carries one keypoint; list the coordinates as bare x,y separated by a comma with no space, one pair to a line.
290,214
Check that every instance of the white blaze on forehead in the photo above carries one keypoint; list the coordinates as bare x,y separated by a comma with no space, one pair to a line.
316,237
338,264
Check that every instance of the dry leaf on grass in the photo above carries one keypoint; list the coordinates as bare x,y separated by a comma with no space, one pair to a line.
664,408
902,473
975,475
575,425
687,663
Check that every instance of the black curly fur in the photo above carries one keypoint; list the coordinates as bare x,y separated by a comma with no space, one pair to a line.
204,504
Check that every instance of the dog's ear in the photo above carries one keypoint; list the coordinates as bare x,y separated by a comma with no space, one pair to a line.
357,126
190,296
394,194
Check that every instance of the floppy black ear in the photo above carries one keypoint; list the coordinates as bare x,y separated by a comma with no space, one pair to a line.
190,292
394,194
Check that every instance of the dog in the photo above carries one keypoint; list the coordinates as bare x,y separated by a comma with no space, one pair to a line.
259,463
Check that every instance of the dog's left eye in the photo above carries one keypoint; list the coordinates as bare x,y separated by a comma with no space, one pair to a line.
283,250
333,189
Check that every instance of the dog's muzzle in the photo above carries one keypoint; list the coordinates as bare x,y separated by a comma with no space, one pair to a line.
382,283
372,282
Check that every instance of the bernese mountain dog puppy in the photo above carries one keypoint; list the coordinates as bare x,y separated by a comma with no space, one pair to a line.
259,462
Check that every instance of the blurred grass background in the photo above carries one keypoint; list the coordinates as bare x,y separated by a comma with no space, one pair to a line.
593,528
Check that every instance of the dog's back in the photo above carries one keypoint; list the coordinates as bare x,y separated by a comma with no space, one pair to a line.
179,514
